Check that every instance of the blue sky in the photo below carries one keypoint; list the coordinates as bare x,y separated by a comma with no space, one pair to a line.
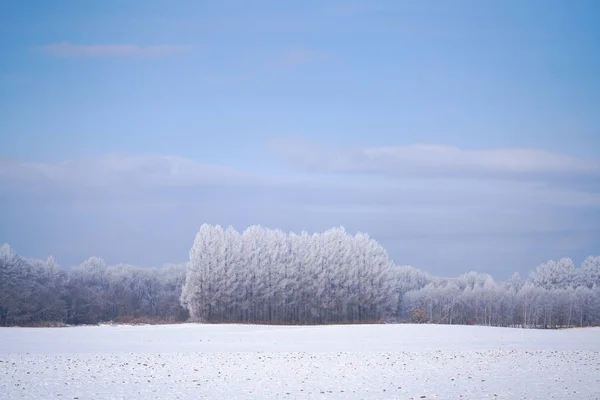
460,134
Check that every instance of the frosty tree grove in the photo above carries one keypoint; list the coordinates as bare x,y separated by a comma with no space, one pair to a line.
268,276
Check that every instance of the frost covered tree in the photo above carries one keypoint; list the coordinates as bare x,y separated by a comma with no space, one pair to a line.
589,273
554,274
30,290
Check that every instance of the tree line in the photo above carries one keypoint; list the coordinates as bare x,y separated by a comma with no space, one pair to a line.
35,292
267,276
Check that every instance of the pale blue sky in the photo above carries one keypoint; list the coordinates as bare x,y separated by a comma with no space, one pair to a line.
460,134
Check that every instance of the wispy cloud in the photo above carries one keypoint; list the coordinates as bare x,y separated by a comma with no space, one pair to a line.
449,179
436,160
116,171
66,49
299,56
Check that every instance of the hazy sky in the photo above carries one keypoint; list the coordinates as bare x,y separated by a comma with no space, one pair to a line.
462,135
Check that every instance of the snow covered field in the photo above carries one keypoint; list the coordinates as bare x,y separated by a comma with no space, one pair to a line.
193,361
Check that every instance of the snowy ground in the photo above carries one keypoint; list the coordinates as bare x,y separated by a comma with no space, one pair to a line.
328,362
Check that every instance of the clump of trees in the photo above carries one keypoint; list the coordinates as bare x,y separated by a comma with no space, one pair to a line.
268,276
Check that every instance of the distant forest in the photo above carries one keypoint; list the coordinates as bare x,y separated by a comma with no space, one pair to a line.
270,277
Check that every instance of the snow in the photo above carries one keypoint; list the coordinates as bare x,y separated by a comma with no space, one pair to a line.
192,361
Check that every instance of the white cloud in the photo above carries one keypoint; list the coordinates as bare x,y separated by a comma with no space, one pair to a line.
119,173
116,170
437,160
66,49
